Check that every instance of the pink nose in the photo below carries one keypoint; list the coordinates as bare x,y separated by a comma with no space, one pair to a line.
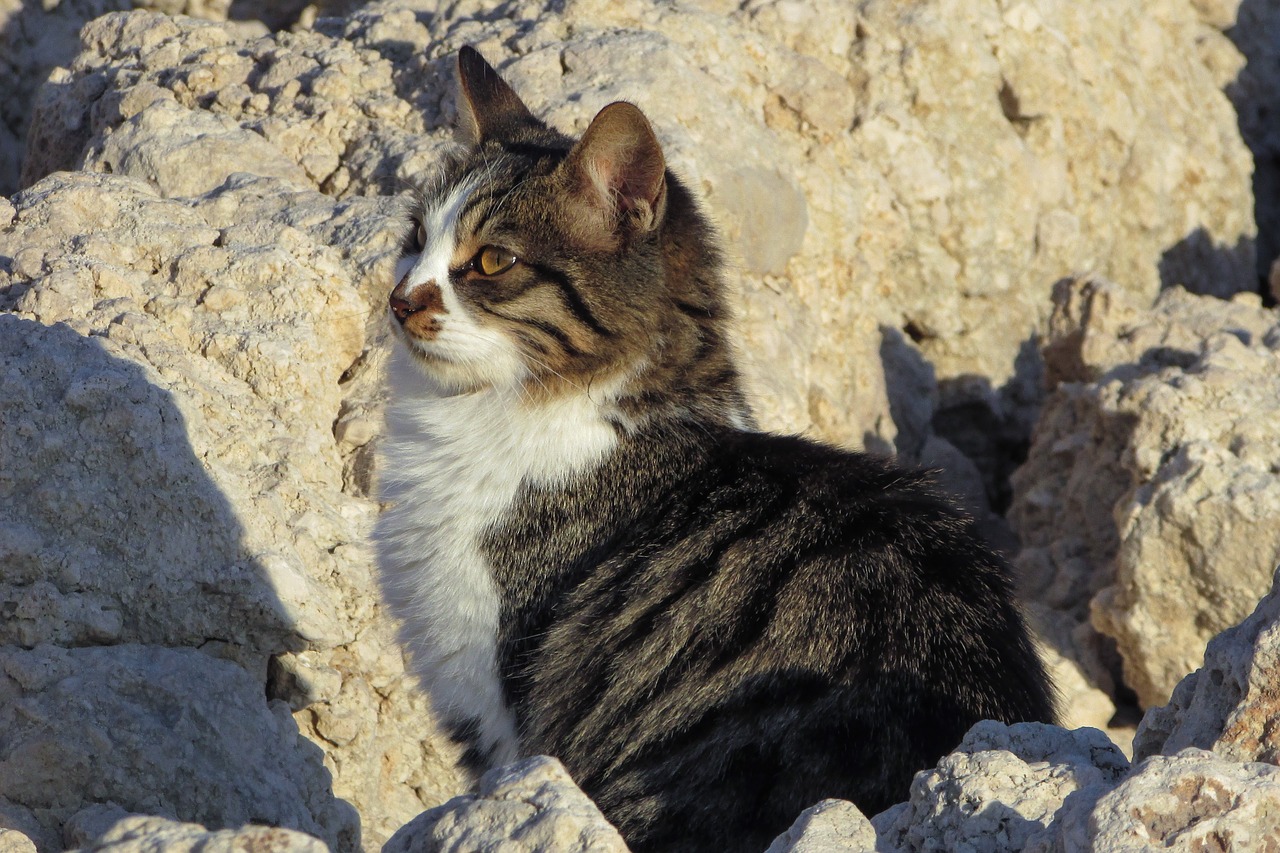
406,300
402,308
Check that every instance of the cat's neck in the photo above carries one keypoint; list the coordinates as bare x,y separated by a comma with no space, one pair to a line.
504,435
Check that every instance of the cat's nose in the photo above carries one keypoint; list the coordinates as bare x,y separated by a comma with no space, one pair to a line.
407,300
402,308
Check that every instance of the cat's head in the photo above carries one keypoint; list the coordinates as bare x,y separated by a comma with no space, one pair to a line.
538,262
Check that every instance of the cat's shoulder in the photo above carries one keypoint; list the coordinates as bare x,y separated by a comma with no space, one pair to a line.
813,465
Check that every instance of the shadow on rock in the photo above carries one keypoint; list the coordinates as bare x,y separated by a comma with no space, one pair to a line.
1199,265
1255,94
136,628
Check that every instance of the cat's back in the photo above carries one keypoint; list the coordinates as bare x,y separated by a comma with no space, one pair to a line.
778,610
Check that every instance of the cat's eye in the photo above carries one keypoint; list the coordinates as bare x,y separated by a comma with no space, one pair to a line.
492,260
421,237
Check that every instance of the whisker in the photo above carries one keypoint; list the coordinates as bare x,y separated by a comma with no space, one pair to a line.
540,363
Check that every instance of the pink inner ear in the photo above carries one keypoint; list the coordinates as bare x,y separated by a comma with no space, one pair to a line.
621,160
613,185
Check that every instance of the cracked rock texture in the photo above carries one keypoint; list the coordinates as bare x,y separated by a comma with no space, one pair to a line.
99,829
1190,801
1149,504
531,805
192,280
900,183
829,825
1001,788
1231,704
36,38
172,479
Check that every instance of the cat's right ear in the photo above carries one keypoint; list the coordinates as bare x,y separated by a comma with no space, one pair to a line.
489,108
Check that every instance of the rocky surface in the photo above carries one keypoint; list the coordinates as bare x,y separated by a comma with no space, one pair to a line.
1001,788
531,806
36,38
1230,704
1193,800
110,828
14,841
853,172
1254,27
1149,504
191,349
141,714
829,825
173,477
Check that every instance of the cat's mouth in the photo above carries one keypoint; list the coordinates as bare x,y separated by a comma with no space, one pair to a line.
457,362
427,350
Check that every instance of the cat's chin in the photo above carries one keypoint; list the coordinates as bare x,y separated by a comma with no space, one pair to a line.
445,376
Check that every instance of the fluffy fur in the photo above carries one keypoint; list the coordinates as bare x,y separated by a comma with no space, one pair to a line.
597,556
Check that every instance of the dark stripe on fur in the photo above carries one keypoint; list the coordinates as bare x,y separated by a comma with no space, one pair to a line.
573,300
775,622
550,330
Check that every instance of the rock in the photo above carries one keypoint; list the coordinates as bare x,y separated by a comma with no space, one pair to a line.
829,826
1001,788
1149,491
1254,28
13,841
157,404
852,176
531,805
126,833
1190,801
37,38
161,731
1230,704
170,477
191,369
1080,702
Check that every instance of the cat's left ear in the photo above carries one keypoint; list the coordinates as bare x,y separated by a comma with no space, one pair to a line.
489,108
618,170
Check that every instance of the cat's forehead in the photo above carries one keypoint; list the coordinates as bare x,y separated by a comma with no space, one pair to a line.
494,160
487,171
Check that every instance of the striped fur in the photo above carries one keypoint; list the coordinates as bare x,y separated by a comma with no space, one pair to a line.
597,556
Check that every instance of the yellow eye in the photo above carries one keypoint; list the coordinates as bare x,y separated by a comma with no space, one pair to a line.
422,237
494,261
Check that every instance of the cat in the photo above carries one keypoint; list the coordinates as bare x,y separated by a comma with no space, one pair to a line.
597,555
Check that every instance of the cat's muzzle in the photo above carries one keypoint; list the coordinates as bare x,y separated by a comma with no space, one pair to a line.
416,307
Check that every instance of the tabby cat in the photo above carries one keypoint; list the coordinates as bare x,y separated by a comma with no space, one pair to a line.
598,556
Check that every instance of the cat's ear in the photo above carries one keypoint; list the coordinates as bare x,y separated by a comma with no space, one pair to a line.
617,168
489,108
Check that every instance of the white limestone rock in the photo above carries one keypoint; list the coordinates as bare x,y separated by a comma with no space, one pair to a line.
1001,789
121,832
167,479
1149,492
13,841
531,806
829,826
1191,801
39,38
1253,85
1230,704
157,730
172,371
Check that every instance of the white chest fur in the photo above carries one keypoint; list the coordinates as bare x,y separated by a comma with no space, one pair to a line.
450,469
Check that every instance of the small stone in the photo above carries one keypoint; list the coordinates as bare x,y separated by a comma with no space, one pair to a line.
829,826
531,806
